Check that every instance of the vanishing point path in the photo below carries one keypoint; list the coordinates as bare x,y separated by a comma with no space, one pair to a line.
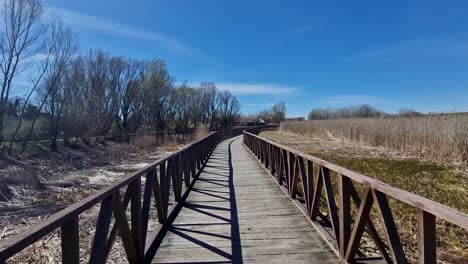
236,213
215,202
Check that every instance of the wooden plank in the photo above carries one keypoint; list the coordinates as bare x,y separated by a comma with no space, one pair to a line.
317,196
396,248
136,217
332,210
371,229
272,159
441,211
70,242
98,253
18,242
159,195
125,233
232,221
310,184
113,233
358,228
344,213
280,173
145,210
426,238
186,165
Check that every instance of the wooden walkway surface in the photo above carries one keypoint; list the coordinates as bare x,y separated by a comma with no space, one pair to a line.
236,213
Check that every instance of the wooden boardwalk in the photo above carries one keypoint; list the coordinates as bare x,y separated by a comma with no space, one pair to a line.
215,202
236,213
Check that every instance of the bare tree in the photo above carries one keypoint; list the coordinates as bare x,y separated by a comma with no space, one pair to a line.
76,122
228,109
278,112
47,51
361,111
210,102
130,94
266,115
158,85
18,43
63,46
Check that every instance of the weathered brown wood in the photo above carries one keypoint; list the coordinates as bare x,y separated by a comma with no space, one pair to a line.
344,213
180,171
396,249
426,238
146,207
235,222
159,192
98,250
304,180
310,183
283,167
186,164
317,195
278,163
193,167
293,179
200,149
332,210
359,224
113,232
449,214
136,217
272,161
125,233
286,167
70,239
371,229
379,192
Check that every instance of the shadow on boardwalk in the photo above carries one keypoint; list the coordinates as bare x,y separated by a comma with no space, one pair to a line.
235,213
212,207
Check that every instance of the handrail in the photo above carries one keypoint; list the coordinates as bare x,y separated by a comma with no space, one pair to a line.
287,164
178,171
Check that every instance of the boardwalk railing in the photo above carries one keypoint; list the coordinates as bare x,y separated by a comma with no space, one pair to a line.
137,191
288,166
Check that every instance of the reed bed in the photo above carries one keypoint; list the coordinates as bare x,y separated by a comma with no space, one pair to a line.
434,137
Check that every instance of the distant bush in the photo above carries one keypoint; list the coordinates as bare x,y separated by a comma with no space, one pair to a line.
362,111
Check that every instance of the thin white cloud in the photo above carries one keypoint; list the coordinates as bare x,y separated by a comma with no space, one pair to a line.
434,49
352,100
256,89
113,27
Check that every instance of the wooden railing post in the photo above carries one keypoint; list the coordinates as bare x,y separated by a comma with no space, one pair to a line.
146,207
98,250
348,232
426,238
165,185
344,213
70,242
135,208
177,167
186,164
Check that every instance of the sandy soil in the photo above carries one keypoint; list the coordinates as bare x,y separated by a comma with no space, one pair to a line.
33,188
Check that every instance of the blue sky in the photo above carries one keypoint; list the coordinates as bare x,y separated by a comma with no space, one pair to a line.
389,54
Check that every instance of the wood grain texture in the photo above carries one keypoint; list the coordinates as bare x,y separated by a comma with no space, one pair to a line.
236,213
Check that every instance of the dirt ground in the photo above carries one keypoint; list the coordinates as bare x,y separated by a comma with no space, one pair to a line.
40,183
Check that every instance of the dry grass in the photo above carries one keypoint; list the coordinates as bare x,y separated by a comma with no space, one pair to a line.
200,133
67,177
440,138
444,183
